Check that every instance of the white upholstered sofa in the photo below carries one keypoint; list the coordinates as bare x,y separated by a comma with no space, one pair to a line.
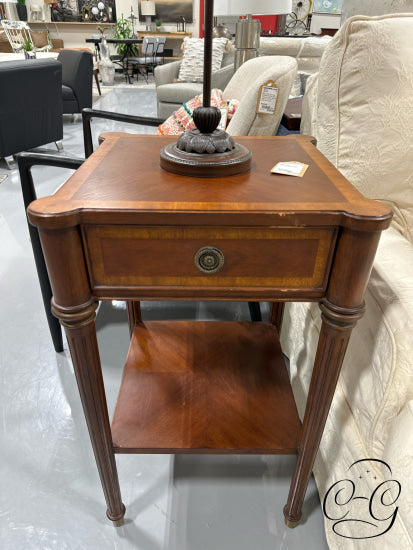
360,108
307,51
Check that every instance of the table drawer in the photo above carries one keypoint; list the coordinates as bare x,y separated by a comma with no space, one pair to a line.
167,256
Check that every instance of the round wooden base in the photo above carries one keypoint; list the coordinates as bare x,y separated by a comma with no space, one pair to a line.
205,165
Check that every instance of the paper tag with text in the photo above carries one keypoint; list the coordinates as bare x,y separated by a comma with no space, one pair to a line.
224,115
291,168
267,98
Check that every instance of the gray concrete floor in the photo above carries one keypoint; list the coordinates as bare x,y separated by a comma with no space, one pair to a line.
50,494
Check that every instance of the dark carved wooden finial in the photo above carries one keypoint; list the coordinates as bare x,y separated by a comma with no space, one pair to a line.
206,119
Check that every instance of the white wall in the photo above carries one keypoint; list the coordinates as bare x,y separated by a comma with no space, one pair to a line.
376,7
124,6
324,21
75,35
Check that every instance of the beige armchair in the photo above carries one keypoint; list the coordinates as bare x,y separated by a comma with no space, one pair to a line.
170,94
245,86
359,107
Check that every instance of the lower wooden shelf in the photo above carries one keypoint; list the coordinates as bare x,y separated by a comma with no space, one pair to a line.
205,387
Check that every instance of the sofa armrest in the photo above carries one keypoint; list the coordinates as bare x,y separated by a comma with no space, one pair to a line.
309,107
220,78
30,104
77,73
89,114
165,74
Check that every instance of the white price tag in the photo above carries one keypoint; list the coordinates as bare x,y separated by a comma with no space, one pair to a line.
267,98
292,168
224,114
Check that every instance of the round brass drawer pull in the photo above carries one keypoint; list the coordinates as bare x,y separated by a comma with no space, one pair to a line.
209,259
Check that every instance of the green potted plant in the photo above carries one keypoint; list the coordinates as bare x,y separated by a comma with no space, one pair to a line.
158,23
29,52
27,45
22,10
122,30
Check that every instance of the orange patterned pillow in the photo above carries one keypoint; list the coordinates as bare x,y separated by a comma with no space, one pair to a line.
181,120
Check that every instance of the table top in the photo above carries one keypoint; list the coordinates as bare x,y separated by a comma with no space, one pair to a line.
20,56
173,34
123,178
115,40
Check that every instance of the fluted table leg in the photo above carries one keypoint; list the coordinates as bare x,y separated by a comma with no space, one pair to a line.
335,333
342,307
81,335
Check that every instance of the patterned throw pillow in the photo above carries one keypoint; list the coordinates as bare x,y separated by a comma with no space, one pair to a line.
181,120
192,66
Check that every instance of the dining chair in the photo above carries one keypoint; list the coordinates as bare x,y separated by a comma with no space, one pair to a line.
18,34
159,51
144,63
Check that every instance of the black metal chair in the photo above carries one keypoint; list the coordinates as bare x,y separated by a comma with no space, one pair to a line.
144,64
159,51
27,160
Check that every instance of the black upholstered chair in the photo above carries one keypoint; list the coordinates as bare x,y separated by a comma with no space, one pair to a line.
30,105
77,76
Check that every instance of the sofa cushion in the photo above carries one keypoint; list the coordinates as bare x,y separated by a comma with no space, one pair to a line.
378,375
178,92
355,100
399,453
57,44
294,47
192,66
307,51
40,38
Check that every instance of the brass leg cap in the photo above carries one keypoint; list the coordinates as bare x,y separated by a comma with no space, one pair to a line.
117,519
291,524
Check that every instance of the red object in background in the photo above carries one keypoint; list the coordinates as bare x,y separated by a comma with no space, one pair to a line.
201,18
268,22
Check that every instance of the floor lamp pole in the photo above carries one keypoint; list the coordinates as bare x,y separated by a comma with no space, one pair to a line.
208,26
206,151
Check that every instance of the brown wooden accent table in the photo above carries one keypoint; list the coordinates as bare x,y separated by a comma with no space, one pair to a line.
123,228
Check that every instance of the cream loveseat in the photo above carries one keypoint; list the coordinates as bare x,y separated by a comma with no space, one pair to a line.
307,52
360,109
